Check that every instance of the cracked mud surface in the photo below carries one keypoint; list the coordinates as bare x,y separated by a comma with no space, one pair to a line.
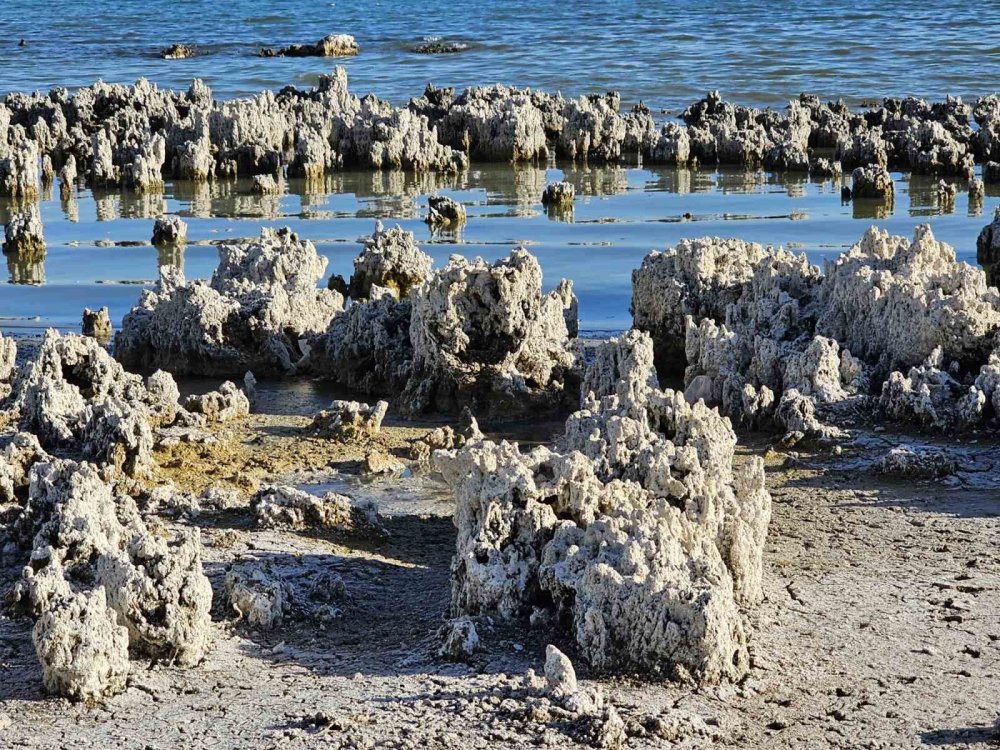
880,627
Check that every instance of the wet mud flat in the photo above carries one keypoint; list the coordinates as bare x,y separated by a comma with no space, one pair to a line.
878,626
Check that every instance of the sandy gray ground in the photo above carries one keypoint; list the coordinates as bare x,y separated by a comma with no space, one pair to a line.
880,629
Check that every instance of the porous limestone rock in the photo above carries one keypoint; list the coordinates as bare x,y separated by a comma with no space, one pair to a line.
636,527
97,324
82,648
91,552
698,277
560,676
443,211
367,347
872,182
23,234
254,314
558,195
931,397
227,403
350,420
917,462
178,52
447,437
332,45
260,600
169,230
988,250
892,301
8,365
390,259
264,184
71,393
486,337
277,506
160,592
459,639
19,176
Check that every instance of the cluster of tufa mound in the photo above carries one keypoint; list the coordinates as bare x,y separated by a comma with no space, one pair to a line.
637,531
768,338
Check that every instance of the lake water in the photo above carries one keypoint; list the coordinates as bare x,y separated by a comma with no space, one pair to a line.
99,246
667,54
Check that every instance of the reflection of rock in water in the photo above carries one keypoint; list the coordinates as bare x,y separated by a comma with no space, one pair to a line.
678,180
143,205
107,206
170,255
26,269
598,181
394,193
70,208
873,208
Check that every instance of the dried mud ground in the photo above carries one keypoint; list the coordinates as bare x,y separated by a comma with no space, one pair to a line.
880,628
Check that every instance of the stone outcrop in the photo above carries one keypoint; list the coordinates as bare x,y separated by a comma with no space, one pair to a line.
333,45
349,420
390,259
443,211
280,506
254,313
97,324
23,234
486,337
100,583
636,528
169,230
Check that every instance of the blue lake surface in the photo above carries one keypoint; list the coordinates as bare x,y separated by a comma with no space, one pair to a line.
667,54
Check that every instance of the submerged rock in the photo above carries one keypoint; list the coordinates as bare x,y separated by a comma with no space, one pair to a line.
260,304
443,211
97,324
23,234
872,182
178,52
169,230
558,195
636,526
333,45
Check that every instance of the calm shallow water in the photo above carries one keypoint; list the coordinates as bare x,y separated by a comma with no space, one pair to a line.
99,251
668,53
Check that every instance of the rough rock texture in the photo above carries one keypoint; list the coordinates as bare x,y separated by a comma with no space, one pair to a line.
916,462
367,347
892,301
227,403
23,234
275,506
699,277
178,52
333,45
485,336
558,195
97,324
71,393
91,552
761,323
872,182
264,184
459,639
350,420
988,250
259,599
81,647
443,211
389,259
636,528
261,302
8,365
169,230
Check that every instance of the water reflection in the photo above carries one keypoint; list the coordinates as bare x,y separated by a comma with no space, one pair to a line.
28,269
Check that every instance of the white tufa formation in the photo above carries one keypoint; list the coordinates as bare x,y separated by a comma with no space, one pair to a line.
486,337
637,528
260,304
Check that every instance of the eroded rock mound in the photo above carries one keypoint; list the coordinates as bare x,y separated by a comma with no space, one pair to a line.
260,303
390,259
636,528
486,337
100,583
